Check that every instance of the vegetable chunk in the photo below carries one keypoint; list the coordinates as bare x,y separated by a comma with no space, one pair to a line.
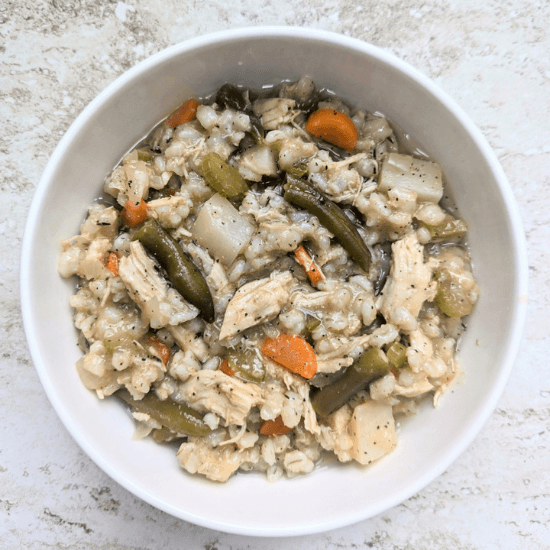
424,177
293,353
333,126
372,429
222,230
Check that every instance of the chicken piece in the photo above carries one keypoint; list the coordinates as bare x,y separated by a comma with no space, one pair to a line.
131,181
217,464
308,412
185,151
327,364
410,384
275,395
275,111
92,265
294,150
409,284
257,162
101,222
256,302
160,305
335,437
338,180
214,391
372,429
421,356
84,254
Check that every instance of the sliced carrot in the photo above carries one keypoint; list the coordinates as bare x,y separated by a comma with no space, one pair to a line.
310,267
274,427
160,347
186,113
333,126
134,214
293,353
113,259
226,369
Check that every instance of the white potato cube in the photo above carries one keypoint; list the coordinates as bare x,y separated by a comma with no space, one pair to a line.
221,229
372,429
424,177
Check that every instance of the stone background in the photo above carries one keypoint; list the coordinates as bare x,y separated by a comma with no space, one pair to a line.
493,57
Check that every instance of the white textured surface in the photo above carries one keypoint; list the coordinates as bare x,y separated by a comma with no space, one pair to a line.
492,57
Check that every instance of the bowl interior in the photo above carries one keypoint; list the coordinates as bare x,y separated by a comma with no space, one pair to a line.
367,77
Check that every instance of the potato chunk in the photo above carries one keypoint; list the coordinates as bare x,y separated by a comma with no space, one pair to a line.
222,230
424,177
372,429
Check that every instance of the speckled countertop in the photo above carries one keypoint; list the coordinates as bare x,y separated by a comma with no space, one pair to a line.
493,57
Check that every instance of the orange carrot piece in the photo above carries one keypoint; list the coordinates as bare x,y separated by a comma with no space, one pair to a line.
113,259
134,214
310,267
186,113
293,353
160,347
226,369
274,427
333,126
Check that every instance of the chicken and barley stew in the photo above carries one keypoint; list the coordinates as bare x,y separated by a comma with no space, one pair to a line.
271,275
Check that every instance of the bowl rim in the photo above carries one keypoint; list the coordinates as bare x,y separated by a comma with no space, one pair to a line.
335,39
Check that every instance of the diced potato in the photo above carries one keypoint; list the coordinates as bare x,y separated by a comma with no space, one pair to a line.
424,177
257,162
372,429
221,229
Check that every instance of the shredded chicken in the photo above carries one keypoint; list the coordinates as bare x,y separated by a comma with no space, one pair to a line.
217,464
275,112
257,162
255,303
159,304
409,284
228,397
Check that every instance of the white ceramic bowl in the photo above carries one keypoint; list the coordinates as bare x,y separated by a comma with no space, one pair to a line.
331,496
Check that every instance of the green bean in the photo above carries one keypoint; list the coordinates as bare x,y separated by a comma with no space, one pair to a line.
182,272
397,355
177,417
256,129
451,298
298,169
371,365
145,154
301,194
113,344
451,229
247,363
164,435
223,178
231,97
